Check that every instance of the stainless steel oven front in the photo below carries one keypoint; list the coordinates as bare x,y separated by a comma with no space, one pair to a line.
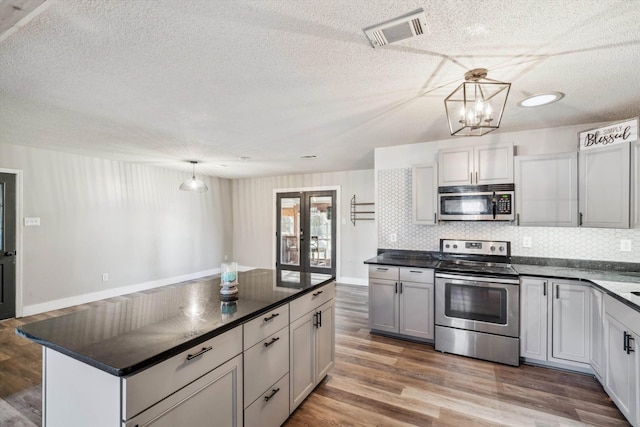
478,317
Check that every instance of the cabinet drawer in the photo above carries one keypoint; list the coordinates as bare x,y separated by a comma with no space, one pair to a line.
261,327
265,363
271,409
144,389
384,272
311,300
420,275
623,313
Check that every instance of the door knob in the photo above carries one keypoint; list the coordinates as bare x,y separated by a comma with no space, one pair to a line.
9,253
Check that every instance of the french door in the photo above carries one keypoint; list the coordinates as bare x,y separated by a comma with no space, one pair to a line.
7,246
306,231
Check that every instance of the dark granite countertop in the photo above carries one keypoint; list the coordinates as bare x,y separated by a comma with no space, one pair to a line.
125,337
618,279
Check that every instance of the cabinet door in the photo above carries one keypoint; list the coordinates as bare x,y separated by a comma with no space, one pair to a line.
216,396
493,164
604,186
533,318
547,190
383,305
635,183
416,309
325,340
302,358
424,195
570,330
456,166
621,374
596,359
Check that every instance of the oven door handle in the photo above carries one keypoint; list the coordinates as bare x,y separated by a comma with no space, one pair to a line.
479,279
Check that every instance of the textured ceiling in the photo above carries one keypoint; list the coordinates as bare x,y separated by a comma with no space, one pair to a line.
164,81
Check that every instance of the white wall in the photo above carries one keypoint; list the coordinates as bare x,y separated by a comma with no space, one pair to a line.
254,219
101,216
393,198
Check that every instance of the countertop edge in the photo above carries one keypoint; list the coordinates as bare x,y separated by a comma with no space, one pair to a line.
161,357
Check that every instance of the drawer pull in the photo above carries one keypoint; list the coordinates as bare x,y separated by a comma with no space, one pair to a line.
273,393
415,271
274,339
317,293
266,319
382,269
201,352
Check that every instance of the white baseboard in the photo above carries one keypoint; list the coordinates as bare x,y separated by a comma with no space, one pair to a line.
352,281
29,310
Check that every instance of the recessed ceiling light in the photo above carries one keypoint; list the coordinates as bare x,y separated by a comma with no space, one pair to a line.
541,99
309,156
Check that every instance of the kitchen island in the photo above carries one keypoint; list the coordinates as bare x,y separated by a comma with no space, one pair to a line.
176,356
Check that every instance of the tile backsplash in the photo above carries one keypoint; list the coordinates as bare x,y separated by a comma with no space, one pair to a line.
394,219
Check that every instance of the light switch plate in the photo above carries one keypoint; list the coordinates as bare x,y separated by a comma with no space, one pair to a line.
527,241
31,222
393,237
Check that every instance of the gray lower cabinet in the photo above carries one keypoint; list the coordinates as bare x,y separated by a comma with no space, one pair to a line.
596,322
622,358
311,342
554,321
604,185
547,190
401,301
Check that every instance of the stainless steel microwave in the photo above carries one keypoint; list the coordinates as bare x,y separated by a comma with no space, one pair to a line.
476,203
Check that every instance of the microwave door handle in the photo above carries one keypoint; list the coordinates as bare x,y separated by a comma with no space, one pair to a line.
494,204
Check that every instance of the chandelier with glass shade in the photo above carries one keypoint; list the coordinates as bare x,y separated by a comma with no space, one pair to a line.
194,184
475,108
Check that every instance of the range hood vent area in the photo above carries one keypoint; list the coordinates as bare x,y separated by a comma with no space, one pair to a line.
397,29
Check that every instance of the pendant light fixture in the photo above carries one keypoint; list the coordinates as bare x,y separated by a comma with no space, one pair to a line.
193,184
475,107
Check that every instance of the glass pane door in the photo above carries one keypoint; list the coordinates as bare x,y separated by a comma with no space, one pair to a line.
306,231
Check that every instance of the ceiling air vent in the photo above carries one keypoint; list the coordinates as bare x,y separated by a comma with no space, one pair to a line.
397,29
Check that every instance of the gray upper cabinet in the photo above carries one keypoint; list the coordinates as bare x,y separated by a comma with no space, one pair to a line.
635,184
604,186
547,190
424,195
478,165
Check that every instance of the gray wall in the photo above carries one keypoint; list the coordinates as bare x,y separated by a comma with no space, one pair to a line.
101,216
254,219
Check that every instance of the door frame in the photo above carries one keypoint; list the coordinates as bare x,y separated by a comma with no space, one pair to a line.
19,232
274,226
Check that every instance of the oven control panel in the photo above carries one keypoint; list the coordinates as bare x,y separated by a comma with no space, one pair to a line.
474,247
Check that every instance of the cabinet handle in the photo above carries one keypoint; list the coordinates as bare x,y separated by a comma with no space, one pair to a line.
274,315
400,287
316,321
544,288
415,271
382,269
476,177
518,219
320,319
435,217
315,294
396,287
557,291
201,352
580,221
624,341
274,339
629,348
470,177
273,393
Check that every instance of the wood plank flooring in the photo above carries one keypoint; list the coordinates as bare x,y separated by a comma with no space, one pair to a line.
377,381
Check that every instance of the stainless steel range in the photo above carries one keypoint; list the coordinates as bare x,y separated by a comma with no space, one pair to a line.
477,301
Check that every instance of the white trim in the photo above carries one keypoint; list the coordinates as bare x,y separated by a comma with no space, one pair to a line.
110,293
274,203
19,251
26,19
352,281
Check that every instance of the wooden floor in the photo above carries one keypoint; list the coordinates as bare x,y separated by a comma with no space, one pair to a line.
376,381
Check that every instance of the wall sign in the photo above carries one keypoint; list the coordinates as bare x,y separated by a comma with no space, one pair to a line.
616,133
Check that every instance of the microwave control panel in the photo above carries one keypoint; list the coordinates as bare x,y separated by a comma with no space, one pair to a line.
503,204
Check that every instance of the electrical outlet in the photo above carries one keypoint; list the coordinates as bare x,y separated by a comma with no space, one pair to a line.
105,277
527,241
31,222
393,237
625,245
